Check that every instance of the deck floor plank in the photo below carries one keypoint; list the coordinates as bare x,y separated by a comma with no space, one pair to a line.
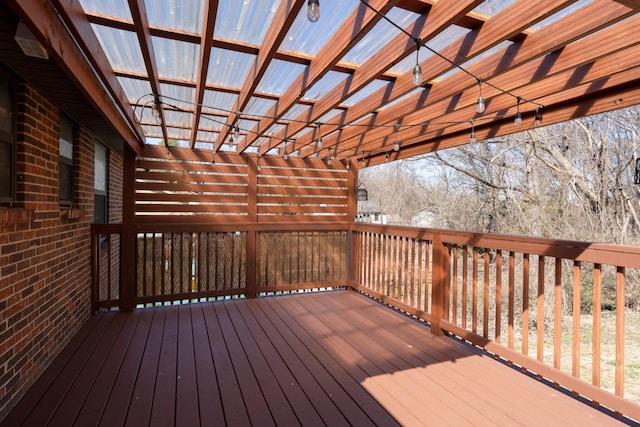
96,399
187,407
209,400
166,376
257,407
331,358
302,370
397,369
235,411
272,390
115,410
139,411
355,403
55,395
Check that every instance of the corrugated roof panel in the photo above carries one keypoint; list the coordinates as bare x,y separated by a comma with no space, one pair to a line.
309,37
245,21
179,97
364,92
296,111
324,85
279,76
203,146
180,15
182,135
211,123
111,8
178,118
379,36
176,59
122,49
259,107
561,14
491,8
152,131
135,89
218,102
228,68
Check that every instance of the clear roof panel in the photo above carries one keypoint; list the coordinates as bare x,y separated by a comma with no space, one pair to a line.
466,65
200,145
122,49
112,8
178,118
179,15
325,84
409,62
561,14
365,91
381,35
135,89
308,37
259,107
279,76
152,131
211,123
228,68
180,97
176,59
298,110
245,21
179,134
218,102
491,8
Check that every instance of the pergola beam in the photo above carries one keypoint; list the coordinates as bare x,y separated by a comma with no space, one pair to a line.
46,24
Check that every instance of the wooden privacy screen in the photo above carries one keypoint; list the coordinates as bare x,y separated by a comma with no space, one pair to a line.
181,184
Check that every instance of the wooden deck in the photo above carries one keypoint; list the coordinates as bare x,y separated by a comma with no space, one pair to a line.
331,358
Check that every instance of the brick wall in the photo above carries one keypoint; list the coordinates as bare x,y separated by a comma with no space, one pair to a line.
45,256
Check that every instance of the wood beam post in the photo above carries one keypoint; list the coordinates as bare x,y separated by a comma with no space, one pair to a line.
128,237
440,282
253,247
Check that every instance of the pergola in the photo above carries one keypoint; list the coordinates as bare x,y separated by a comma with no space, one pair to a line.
240,129
259,77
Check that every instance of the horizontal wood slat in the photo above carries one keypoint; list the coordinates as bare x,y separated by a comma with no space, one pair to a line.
182,184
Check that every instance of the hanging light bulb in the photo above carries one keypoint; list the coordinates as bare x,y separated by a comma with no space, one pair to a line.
396,143
329,160
417,70
286,155
313,10
155,108
480,106
518,120
319,143
472,139
538,119
236,133
347,164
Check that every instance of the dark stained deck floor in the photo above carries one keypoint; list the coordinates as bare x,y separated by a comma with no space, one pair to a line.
331,358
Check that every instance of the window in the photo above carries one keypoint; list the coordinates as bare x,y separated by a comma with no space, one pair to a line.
66,161
100,185
7,142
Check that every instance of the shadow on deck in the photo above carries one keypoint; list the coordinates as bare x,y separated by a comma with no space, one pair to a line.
330,358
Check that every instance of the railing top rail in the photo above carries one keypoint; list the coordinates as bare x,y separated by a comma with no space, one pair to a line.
228,227
619,255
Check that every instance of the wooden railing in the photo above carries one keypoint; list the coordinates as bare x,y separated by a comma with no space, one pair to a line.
555,308
193,262
558,309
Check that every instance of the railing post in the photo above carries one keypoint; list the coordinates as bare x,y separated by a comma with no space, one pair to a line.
439,277
128,237
351,254
252,262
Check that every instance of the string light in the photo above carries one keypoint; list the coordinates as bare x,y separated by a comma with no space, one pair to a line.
518,119
155,108
313,10
472,139
286,155
417,70
236,132
480,106
396,143
538,119
329,160
319,143
347,163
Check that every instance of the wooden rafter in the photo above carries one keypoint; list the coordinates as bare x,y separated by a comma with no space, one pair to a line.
47,25
211,7
333,51
139,13
279,27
